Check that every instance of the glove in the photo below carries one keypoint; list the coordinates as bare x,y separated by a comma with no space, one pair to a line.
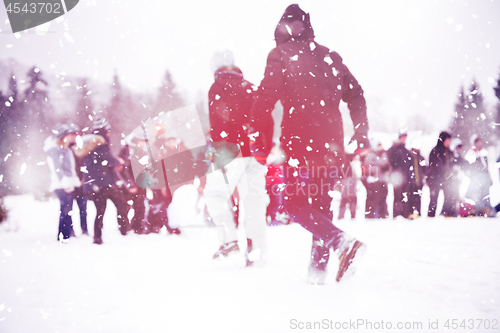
256,147
260,156
361,138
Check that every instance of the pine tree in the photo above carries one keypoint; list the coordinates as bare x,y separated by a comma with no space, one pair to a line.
36,110
496,116
458,126
481,119
4,147
169,99
84,105
470,116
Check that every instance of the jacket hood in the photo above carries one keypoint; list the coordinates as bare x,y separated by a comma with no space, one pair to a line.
49,143
442,137
294,25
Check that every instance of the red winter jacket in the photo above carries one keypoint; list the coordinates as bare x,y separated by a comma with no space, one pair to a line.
310,81
230,103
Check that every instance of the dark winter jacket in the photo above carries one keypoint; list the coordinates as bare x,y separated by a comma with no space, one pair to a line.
126,174
440,162
418,169
310,81
230,103
400,161
99,166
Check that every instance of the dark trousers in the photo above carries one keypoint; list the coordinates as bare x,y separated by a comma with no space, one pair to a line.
100,200
350,200
65,221
158,212
308,203
376,200
401,205
139,207
81,201
415,198
449,208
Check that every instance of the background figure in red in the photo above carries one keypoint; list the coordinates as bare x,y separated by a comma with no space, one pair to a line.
230,102
348,189
310,81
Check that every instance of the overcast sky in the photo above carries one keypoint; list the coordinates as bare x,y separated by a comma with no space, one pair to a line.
411,56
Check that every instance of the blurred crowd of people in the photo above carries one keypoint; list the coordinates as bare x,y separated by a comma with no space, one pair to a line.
462,177
84,168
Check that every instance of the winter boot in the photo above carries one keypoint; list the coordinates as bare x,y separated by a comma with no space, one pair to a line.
226,249
349,258
97,240
175,231
316,276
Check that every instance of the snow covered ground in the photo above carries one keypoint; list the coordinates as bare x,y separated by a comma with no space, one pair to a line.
414,272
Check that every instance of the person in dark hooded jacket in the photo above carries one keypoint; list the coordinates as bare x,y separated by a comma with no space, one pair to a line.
100,178
439,176
310,81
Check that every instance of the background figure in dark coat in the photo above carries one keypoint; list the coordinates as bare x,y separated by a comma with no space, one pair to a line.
439,176
165,146
100,180
480,179
417,179
130,190
348,189
310,81
400,161
374,177
78,195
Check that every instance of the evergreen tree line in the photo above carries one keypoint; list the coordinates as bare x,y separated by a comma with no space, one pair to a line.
472,117
28,115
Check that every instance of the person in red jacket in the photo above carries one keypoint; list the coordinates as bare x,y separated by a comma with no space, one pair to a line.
230,103
310,81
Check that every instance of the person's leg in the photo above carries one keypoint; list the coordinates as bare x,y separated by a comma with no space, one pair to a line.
371,200
118,199
353,202
303,184
398,207
65,221
434,193
81,200
254,198
139,210
381,205
100,199
343,204
218,193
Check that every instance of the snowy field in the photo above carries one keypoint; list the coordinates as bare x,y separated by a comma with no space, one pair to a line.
414,273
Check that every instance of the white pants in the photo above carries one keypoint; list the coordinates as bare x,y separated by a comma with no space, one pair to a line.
249,176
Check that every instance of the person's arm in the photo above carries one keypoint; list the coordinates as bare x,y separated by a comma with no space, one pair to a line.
352,94
262,124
